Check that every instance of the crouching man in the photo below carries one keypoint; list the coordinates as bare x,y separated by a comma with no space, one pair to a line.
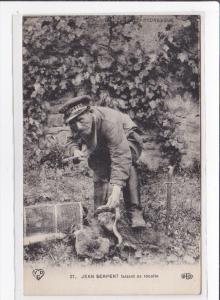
113,146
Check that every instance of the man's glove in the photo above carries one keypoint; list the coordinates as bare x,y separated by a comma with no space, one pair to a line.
114,199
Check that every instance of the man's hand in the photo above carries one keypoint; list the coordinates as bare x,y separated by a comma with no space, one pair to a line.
114,199
78,155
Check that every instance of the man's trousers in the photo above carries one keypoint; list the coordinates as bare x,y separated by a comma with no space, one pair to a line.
131,191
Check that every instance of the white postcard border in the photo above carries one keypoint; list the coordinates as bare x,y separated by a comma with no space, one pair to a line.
211,90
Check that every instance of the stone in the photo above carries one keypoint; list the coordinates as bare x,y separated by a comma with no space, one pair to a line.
56,130
106,220
89,244
55,120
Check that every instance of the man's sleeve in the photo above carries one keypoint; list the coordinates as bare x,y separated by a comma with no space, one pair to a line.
119,152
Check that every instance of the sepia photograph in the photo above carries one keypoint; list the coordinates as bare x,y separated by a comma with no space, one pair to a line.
111,154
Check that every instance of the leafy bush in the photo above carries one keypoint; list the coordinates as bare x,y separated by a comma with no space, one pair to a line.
107,57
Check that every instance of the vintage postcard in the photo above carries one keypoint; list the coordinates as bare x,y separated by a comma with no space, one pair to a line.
110,180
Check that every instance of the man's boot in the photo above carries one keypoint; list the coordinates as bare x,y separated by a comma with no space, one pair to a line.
131,193
137,220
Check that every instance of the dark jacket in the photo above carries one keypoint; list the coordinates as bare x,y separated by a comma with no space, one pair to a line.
113,136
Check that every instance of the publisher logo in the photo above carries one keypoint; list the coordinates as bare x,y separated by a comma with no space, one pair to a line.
38,273
186,276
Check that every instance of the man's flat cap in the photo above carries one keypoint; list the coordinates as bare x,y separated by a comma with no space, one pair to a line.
84,100
74,107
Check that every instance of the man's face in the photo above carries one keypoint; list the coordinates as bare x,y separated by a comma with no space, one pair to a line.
82,124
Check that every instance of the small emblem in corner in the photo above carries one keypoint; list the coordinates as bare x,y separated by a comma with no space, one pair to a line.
38,273
186,276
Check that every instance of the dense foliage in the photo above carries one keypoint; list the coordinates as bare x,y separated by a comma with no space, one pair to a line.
108,58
